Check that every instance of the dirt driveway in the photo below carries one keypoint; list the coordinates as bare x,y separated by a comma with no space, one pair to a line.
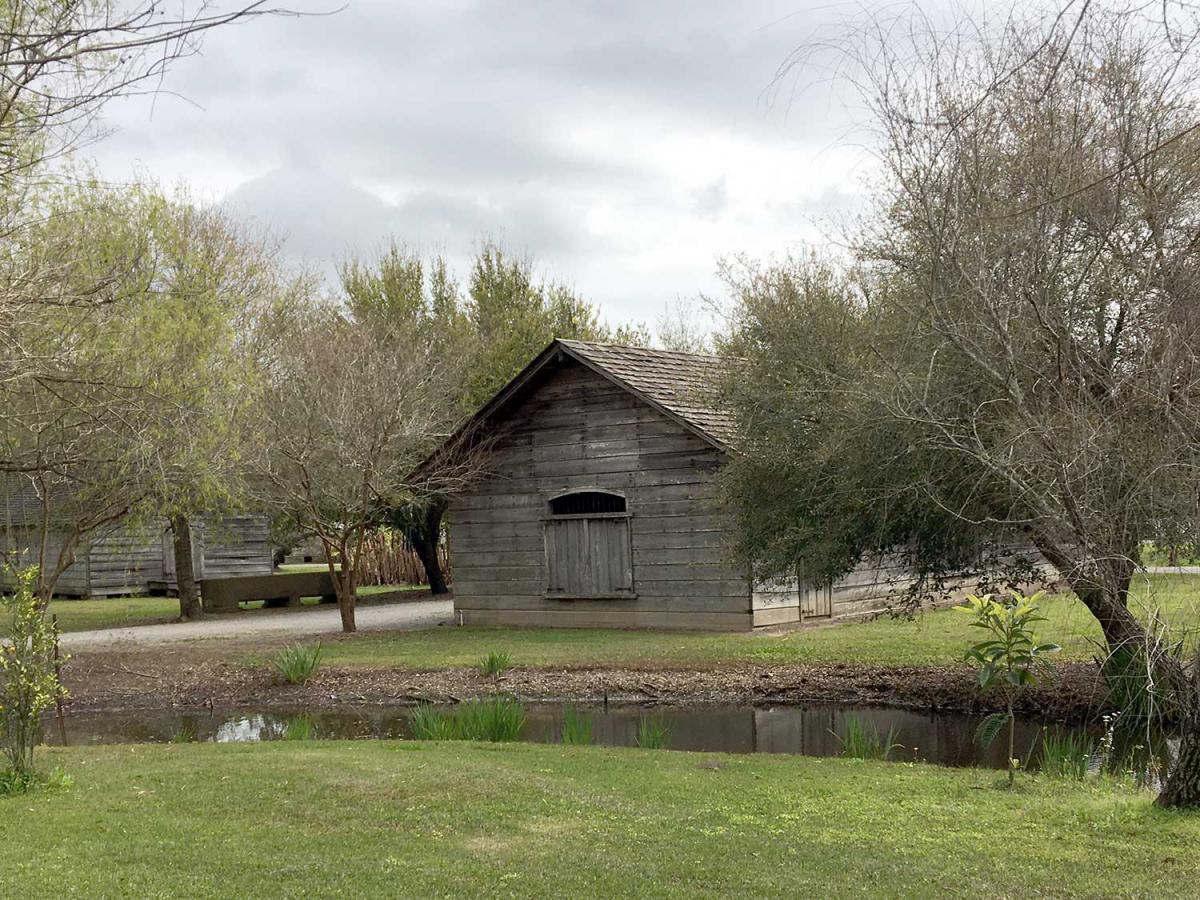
269,623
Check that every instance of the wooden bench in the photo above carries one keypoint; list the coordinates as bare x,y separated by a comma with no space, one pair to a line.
224,594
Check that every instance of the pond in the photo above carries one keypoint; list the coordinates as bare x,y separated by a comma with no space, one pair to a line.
816,730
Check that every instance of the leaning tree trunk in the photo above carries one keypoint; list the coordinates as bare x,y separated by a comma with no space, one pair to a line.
425,539
1107,598
1183,783
185,569
1182,789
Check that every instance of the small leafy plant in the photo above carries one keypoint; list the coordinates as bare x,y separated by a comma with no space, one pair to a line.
863,741
29,682
652,733
1009,660
495,664
297,664
576,728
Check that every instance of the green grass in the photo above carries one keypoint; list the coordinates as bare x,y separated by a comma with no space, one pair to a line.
112,612
122,612
409,819
932,638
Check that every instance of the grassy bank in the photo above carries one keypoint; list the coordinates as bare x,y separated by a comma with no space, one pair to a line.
124,612
396,818
932,638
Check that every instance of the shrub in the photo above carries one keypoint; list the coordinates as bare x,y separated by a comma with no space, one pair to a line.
29,682
652,733
495,664
576,728
495,719
297,664
863,741
1067,755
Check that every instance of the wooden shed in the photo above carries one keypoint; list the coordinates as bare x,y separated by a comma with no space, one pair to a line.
599,506
135,558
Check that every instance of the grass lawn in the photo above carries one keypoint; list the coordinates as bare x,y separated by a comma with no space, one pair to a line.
120,612
932,638
399,818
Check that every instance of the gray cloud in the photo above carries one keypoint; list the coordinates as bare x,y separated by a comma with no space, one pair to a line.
624,146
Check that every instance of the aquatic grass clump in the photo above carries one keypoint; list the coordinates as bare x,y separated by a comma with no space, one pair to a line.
862,740
299,728
297,664
496,719
495,664
653,733
428,723
576,728
184,734
1067,755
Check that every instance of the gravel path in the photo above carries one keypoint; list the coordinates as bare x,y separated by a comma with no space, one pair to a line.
271,623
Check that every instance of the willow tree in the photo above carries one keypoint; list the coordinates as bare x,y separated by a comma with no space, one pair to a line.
1017,355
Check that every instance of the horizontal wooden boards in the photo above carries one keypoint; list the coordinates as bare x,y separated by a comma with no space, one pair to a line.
577,432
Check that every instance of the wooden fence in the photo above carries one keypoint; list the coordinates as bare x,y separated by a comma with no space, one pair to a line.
388,558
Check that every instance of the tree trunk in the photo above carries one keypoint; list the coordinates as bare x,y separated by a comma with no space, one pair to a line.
343,583
425,539
1183,784
185,569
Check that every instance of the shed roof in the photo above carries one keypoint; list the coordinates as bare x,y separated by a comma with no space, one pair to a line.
685,386
682,386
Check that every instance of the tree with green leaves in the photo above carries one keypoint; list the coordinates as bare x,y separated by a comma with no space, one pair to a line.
1015,356
494,327
139,412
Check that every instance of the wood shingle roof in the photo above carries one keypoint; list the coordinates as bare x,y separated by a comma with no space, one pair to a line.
683,385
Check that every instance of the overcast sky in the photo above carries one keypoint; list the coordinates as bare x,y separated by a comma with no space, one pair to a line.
625,146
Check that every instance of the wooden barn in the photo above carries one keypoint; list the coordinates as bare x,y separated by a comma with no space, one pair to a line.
599,507
136,559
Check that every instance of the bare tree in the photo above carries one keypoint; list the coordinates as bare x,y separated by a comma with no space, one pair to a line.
347,413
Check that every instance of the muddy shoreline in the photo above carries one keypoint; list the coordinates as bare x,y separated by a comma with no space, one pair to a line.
124,682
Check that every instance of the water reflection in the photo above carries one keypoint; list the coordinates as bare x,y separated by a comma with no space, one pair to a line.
944,738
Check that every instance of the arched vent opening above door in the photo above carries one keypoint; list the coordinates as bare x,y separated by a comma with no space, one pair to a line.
582,503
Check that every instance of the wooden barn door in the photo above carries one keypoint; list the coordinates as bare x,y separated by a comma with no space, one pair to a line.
588,554
816,600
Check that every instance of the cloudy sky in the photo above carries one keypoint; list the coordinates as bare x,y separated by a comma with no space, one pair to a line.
625,146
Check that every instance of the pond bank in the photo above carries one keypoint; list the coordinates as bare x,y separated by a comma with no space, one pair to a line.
186,677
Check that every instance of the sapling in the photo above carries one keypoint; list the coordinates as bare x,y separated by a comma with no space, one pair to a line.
1008,660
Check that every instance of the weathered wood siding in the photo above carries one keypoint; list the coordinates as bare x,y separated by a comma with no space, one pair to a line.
127,559
878,583
21,543
124,560
875,584
234,546
577,431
